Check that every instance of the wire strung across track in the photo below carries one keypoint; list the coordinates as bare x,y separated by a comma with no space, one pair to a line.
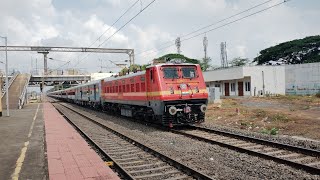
131,159
298,157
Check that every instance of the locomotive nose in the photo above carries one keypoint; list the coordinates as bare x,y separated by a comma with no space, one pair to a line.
203,108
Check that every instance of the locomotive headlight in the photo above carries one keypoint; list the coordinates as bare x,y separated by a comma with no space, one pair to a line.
203,108
173,110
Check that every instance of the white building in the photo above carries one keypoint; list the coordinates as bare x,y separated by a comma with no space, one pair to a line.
303,79
247,80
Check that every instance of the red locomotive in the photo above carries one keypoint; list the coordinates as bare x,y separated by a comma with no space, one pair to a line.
169,94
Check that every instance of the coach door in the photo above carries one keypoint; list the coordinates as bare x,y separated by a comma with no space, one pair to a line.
95,92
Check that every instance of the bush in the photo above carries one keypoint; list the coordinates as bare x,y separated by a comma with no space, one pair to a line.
273,131
260,113
280,117
318,95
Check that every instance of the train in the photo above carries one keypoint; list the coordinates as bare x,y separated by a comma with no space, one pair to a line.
170,94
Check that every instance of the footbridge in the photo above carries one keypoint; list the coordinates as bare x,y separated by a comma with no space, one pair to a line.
59,78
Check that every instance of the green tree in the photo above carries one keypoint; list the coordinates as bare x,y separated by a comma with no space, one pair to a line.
205,64
238,61
298,51
168,57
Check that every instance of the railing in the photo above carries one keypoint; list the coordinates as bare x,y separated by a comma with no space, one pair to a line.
3,91
23,95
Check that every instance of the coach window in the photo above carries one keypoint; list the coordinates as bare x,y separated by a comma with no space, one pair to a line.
120,89
143,87
128,88
151,74
170,73
132,87
137,87
189,72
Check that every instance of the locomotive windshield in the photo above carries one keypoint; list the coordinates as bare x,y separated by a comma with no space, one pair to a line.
170,73
188,72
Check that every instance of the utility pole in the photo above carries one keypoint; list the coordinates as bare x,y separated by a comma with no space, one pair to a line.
178,44
1,93
205,45
36,66
45,67
131,58
224,57
7,79
100,65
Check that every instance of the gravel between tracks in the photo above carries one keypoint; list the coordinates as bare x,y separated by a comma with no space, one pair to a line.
213,160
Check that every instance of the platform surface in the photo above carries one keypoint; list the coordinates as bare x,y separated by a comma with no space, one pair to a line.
22,152
69,155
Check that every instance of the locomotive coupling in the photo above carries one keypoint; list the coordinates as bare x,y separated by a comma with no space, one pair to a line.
203,108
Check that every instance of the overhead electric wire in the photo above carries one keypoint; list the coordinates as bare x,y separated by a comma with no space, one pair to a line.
231,22
217,22
115,22
127,22
111,26
119,29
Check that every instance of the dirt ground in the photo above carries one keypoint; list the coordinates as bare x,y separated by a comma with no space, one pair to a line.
283,115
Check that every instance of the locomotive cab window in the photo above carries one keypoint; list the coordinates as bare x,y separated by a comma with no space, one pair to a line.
170,73
189,72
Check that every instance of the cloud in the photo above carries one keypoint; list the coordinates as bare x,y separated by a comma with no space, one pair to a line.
80,23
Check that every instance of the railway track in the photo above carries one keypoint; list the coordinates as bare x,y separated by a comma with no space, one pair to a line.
131,159
298,157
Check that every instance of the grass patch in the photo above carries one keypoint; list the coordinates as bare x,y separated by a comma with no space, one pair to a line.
244,123
229,103
260,113
279,118
272,131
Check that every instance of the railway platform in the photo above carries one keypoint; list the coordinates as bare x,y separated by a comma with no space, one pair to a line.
38,143
69,156
22,150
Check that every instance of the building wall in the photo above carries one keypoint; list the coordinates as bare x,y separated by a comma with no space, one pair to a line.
302,79
223,74
273,78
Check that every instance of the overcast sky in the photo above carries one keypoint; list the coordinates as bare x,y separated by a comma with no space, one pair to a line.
80,22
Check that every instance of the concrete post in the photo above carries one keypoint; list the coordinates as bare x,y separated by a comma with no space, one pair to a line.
1,96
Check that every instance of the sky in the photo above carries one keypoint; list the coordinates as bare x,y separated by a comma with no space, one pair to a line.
79,23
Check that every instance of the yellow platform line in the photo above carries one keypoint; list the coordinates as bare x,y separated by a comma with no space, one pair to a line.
19,163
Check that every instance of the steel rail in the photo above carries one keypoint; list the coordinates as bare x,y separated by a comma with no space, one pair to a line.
116,165
301,150
172,162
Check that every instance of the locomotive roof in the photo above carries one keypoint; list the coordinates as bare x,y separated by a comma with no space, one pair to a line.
125,76
143,72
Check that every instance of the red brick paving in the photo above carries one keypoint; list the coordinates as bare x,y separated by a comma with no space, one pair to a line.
69,156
